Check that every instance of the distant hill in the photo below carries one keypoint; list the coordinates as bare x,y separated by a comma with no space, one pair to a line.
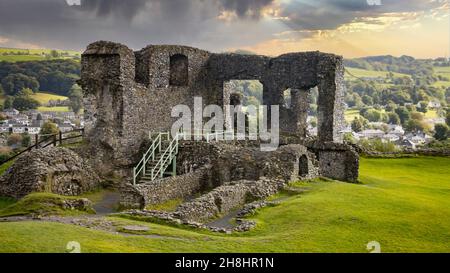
21,55
404,64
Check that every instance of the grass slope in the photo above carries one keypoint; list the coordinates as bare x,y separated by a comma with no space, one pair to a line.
38,203
404,204
43,97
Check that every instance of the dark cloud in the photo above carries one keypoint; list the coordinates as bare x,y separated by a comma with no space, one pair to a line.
127,9
54,23
248,8
330,14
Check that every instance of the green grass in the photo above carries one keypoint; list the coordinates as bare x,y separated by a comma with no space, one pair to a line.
44,98
363,73
404,204
431,114
170,205
32,54
21,58
442,71
40,203
441,84
5,202
6,166
351,114
53,109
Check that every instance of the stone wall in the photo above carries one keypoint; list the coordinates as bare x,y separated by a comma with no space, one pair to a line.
161,190
205,166
127,94
336,160
55,170
224,199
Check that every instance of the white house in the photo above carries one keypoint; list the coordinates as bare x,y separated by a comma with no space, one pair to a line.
371,134
65,128
408,143
434,104
19,129
397,130
11,112
391,137
33,130
4,128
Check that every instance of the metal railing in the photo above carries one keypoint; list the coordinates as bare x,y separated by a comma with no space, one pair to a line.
168,156
140,168
47,140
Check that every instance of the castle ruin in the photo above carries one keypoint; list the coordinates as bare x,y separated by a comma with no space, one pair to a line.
128,94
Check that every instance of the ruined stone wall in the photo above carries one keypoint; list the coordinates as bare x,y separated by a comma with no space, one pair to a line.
161,190
337,161
127,94
53,169
227,198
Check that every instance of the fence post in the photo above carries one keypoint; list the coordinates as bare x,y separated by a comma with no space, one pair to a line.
60,138
36,140
54,140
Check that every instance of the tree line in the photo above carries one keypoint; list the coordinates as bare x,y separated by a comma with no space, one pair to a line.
55,76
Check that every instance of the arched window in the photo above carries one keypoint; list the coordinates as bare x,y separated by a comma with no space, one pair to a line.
178,70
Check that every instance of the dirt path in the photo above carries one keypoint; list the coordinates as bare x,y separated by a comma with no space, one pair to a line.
108,204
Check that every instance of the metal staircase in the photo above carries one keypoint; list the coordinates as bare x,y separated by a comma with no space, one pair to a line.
156,161
162,154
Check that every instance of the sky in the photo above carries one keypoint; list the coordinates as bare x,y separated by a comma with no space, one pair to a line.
352,28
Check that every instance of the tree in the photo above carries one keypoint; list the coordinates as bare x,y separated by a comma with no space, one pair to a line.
54,54
422,107
442,131
417,116
49,128
8,102
403,114
391,106
76,98
393,118
447,118
367,100
358,124
14,139
25,92
373,115
23,103
26,140
13,83
415,125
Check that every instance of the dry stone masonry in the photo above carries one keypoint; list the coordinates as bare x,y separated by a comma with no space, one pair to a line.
56,170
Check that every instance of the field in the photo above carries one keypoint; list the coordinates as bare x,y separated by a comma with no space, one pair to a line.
20,55
351,114
363,73
444,84
53,109
44,98
404,204
442,71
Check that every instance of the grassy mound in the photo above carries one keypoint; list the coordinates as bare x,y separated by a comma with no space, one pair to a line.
44,204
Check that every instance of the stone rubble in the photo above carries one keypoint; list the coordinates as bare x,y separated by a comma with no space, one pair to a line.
53,169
